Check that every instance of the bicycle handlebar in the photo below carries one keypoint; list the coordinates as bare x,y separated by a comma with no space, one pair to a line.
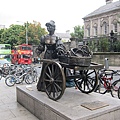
110,71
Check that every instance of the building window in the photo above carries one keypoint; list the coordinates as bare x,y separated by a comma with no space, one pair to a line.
95,31
88,32
105,28
115,27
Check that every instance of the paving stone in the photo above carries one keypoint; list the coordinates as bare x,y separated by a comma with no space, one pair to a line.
6,115
10,109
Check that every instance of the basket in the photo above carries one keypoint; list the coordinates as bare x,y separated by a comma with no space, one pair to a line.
80,61
77,61
78,57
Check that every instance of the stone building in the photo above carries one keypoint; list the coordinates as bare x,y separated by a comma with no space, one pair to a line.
2,26
101,21
65,37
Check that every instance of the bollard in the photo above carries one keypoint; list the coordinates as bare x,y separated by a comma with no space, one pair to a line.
106,64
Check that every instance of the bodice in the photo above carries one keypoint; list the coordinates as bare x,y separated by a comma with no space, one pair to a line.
50,42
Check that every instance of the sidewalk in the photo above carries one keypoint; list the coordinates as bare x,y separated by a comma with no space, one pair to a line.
114,67
10,109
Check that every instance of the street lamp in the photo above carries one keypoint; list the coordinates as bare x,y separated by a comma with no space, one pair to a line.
26,31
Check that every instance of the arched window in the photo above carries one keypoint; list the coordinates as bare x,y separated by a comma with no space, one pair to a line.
88,30
115,27
95,29
105,28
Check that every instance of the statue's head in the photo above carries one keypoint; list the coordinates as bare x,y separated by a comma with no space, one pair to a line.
50,27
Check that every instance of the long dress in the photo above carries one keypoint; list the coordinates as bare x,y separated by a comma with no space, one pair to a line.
49,43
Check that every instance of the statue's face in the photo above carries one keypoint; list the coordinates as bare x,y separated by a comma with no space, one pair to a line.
50,28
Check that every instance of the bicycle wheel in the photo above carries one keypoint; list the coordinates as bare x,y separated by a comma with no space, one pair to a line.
10,80
35,76
101,86
115,88
28,79
19,79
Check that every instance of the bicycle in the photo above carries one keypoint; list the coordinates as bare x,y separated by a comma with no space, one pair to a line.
106,83
20,75
5,70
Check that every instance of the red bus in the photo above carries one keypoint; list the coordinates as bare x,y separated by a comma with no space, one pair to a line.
22,54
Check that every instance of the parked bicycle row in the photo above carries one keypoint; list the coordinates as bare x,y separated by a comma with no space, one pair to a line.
16,74
109,82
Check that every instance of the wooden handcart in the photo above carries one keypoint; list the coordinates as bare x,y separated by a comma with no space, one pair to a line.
55,76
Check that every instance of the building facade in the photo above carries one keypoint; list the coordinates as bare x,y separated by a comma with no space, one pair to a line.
2,26
101,21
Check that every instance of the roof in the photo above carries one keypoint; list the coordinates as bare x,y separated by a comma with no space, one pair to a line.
104,9
63,35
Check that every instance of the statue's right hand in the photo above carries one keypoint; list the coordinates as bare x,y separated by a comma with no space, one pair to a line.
38,52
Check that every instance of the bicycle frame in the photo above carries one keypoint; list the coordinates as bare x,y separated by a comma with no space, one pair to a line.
19,77
106,84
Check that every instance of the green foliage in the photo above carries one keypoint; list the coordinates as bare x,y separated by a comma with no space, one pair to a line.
104,44
16,34
92,45
11,35
35,32
117,46
78,33
1,32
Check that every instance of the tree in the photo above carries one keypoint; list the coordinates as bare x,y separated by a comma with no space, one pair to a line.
16,34
104,44
11,35
78,33
35,31
1,31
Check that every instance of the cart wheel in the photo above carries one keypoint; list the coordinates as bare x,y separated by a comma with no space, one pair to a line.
87,81
54,80
119,92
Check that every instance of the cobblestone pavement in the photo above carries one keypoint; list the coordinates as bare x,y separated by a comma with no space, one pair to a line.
10,109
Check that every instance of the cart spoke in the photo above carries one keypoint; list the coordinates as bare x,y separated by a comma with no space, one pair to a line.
49,70
88,85
56,90
91,82
58,86
84,83
47,80
90,72
48,75
86,71
79,82
49,88
57,75
58,80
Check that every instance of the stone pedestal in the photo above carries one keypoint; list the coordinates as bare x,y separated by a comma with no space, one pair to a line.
72,105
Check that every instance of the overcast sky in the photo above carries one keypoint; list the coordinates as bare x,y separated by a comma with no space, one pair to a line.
65,13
